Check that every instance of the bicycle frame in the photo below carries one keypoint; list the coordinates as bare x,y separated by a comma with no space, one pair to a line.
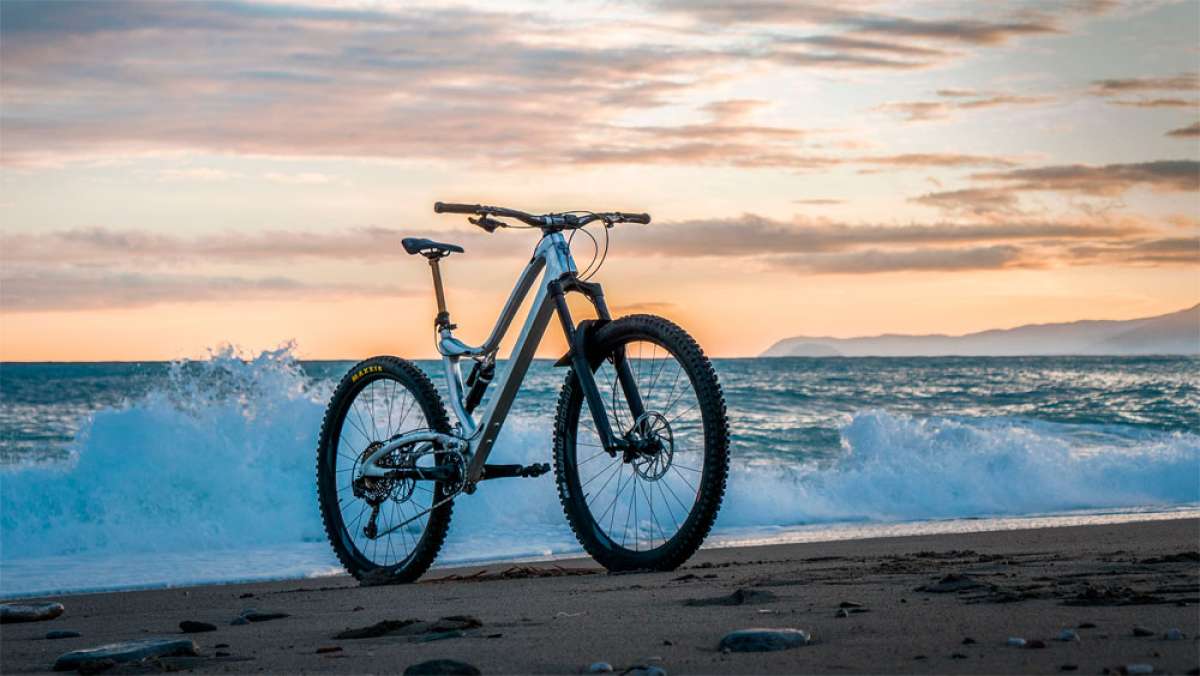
553,261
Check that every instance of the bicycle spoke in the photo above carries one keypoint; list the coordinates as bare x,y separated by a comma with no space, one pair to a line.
606,481
629,508
379,411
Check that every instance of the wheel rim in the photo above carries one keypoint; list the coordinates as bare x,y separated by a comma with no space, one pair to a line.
642,503
381,409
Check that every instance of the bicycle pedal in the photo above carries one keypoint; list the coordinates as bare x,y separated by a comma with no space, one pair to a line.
535,470
509,471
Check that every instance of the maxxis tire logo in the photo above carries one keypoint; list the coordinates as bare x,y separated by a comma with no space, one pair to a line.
364,371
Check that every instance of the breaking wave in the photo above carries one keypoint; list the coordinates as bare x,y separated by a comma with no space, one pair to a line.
222,459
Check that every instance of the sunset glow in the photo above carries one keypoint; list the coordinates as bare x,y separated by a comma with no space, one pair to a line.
181,175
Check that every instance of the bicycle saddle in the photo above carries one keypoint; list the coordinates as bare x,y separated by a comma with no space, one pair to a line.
420,245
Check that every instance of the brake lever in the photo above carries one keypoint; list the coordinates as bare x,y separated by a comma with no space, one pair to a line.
488,224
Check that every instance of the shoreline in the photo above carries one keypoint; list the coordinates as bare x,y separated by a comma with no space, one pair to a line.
733,538
539,619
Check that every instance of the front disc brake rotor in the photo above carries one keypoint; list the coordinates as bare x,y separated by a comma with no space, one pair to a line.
654,431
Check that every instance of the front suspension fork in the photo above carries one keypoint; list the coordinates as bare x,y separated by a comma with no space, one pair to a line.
577,340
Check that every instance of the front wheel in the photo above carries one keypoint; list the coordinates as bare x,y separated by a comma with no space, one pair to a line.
651,509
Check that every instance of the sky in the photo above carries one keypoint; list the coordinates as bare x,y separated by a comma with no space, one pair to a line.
178,176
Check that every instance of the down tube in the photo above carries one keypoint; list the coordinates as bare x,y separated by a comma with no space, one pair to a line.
518,363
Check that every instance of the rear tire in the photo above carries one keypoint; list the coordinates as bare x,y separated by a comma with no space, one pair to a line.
658,486
374,390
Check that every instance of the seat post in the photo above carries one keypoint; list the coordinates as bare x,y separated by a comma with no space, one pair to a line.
443,316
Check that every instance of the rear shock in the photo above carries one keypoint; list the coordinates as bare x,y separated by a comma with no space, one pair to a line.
477,381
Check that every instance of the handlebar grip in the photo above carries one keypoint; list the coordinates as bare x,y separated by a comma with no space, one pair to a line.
644,219
450,208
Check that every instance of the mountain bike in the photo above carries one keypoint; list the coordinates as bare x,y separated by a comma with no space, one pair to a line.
640,477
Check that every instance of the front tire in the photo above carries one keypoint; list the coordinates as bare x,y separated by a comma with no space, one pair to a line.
652,511
378,399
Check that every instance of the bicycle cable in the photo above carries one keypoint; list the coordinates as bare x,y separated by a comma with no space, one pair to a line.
589,271
603,256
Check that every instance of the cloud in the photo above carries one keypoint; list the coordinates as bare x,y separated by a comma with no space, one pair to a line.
1113,89
856,18
108,247
966,31
1106,180
44,290
747,235
936,160
99,268
1181,82
874,261
818,201
852,44
959,100
843,51
348,82
116,79
751,235
1156,103
972,201
1164,251
1190,131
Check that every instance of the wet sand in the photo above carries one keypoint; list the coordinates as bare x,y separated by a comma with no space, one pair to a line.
559,618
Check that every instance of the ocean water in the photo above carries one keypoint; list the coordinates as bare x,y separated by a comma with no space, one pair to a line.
149,474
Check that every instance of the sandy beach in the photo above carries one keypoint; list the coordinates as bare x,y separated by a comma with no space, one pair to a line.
927,604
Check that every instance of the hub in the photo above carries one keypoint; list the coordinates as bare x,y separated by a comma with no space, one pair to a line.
651,446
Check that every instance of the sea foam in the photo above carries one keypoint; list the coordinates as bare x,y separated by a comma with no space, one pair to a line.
219,465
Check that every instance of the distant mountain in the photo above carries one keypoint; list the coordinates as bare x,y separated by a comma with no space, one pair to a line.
1174,333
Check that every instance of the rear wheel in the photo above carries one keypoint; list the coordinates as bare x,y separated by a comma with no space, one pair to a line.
383,528
653,508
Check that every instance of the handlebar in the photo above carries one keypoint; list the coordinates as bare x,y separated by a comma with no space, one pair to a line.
451,208
563,221
644,219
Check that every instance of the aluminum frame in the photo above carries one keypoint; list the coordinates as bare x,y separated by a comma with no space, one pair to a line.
552,260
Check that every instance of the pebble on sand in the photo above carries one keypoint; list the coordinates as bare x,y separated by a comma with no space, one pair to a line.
29,612
644,670
443,668
1174,635
62,633
1138,669
196,627
1068,635
1016,642
252,615
326,649
127,651
954,582
599,668
763,640
739,597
